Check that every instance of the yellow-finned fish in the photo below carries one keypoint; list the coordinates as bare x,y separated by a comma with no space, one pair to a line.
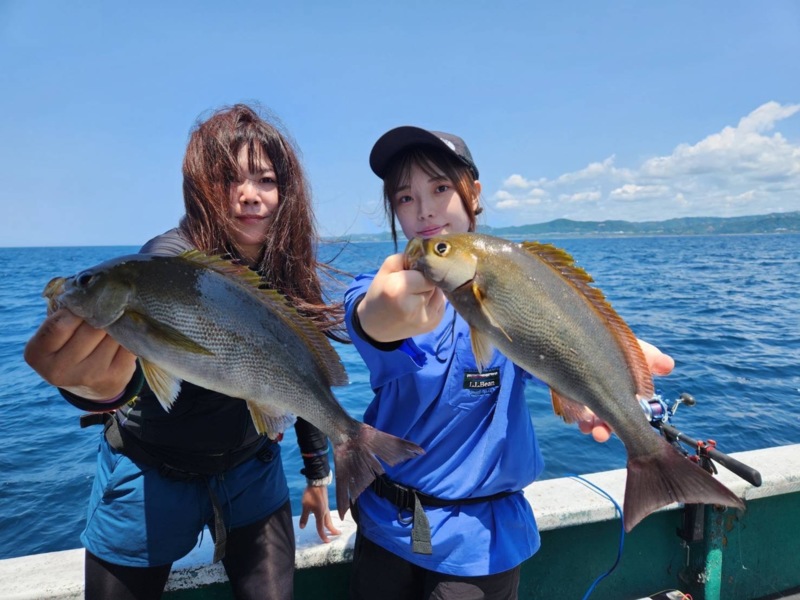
535,306
204,320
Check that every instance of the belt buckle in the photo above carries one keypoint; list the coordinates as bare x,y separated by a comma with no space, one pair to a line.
405,520
404,499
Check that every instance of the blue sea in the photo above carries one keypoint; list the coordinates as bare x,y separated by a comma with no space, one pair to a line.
726,308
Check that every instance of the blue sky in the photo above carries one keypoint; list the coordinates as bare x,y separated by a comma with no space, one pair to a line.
585,110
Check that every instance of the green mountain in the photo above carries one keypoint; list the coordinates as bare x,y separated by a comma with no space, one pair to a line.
788,222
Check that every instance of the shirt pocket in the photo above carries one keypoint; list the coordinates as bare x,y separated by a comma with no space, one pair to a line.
467,387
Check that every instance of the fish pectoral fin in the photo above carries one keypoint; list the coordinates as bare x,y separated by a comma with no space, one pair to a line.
482,348
569,410
267,423
167,334
480,299
164,385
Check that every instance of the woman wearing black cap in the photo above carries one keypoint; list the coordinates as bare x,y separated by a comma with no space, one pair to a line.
454,522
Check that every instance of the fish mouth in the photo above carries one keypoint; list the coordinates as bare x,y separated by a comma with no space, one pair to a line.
52,291
413,253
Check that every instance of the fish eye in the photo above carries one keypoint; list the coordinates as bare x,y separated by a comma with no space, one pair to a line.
84,279
441,248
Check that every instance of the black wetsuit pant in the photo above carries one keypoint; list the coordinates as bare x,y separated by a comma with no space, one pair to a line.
259,561
380,574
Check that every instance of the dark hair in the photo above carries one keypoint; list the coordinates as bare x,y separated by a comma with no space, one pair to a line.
433,162
288,261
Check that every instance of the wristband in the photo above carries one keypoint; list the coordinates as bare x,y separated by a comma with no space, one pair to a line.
130,392
320,482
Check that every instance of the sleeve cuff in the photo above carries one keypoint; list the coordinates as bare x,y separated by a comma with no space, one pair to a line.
383,346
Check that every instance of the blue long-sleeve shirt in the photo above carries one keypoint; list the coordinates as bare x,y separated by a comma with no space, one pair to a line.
478,438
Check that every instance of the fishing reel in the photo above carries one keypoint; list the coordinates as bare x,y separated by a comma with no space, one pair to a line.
657,410
659,414
705,452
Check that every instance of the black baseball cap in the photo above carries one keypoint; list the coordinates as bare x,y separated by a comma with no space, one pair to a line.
400,138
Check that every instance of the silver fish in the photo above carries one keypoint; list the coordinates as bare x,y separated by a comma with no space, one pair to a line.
535,306
204,320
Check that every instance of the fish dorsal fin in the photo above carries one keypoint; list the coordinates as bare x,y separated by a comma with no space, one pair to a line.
223,265
164,385
267,423
318,344
563,264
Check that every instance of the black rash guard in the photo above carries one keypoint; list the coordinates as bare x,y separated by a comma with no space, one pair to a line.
204,431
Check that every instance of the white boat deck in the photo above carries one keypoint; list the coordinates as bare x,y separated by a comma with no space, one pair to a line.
556,502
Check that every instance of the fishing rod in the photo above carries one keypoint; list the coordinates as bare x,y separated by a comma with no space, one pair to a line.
705,453
659,415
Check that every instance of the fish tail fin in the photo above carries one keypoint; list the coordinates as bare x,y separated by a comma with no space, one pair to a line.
656,480
356,464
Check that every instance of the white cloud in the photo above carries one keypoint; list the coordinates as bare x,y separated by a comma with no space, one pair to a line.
537,194
592,171
732,150
765,116
517,181
504,200
749,168
631,191
581,197
745,197
508,204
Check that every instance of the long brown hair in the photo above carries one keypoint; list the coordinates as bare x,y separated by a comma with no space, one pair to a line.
433,162
288,261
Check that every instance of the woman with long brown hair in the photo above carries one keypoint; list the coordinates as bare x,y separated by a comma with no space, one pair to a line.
162,477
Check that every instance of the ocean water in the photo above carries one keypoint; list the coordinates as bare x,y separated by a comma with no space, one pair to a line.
726,308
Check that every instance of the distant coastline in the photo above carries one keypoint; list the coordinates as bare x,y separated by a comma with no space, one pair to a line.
769,224
787,222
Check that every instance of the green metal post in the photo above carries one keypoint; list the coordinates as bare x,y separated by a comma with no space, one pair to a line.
712,573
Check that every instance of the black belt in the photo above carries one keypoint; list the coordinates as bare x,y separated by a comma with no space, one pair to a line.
184,468
409,499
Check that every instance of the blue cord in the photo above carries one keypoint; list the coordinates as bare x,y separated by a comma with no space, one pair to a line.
621,535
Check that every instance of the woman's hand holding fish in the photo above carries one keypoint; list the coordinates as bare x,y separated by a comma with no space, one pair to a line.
68,353
400,304
315,500
659,363
600,430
